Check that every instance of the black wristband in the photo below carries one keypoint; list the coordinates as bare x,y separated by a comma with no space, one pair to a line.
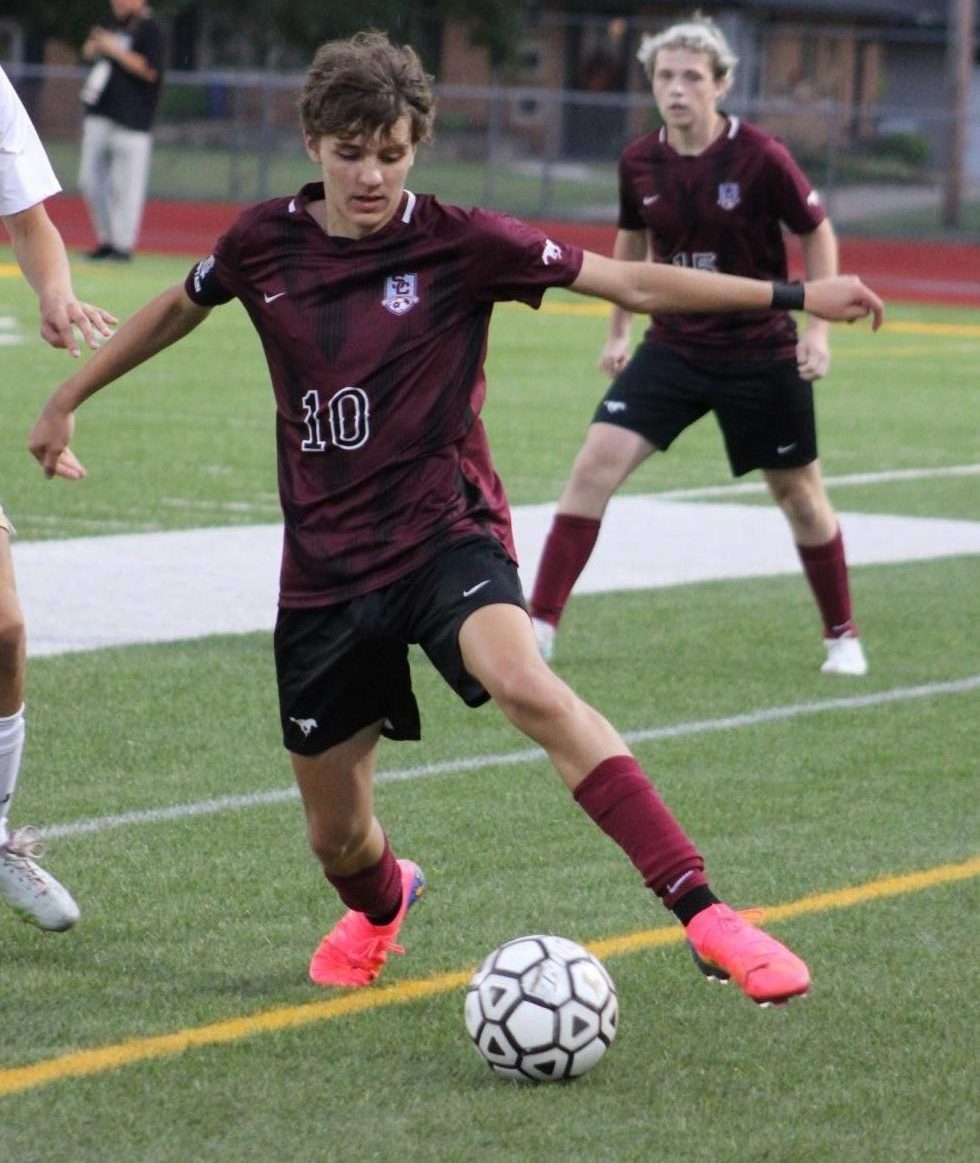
787,296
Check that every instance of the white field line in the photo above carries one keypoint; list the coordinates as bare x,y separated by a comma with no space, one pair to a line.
857,478
270,504
756,718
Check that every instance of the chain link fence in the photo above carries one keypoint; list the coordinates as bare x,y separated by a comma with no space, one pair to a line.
545,153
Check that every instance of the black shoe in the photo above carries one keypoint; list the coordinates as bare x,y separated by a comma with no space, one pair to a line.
103,250
119,255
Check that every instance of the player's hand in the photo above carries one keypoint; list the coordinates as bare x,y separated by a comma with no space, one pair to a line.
842,299
48,444
60,320
813,353
615,355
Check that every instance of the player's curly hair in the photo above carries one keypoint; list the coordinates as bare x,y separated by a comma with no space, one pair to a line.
363,85
697,34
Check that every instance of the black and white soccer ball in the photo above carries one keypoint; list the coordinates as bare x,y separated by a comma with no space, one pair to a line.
541,1008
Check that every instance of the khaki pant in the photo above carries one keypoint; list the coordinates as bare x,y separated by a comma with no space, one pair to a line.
112,176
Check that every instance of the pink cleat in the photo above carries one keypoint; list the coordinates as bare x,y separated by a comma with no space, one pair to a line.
354,951
724,944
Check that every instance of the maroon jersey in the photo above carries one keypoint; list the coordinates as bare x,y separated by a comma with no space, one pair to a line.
721,210
376,351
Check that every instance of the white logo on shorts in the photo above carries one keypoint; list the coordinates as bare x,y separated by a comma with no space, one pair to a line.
307,726
614,405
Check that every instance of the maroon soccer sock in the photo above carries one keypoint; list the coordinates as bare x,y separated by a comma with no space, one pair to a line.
624,803
826,571
567,548
376,891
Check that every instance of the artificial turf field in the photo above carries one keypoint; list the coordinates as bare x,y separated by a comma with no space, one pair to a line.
176,1022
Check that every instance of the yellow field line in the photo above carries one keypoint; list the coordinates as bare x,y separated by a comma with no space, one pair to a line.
968,330
88,1062
602,309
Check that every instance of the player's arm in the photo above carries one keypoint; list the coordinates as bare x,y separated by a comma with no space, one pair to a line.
820,260
629,246
40,254
662,288
162,322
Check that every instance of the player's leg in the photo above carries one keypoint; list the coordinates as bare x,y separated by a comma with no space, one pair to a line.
30,890
498,649
656,396
766,413
606,458
801,495
336,689
336,788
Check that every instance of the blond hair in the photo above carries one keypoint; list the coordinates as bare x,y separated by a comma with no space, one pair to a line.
698,34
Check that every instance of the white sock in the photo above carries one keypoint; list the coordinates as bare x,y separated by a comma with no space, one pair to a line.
11,745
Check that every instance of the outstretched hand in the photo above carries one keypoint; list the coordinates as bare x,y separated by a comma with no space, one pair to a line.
59,321
842,299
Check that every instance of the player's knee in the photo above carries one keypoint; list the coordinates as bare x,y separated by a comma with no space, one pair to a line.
12,636
595,472
532,696
802,504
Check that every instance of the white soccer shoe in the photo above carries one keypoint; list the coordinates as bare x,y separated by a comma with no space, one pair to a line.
845,655
33,894
544,632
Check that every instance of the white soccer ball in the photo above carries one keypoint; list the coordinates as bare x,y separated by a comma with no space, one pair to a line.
541,1008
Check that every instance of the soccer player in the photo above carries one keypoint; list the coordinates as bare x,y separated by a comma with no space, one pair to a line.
373,306
26,180
712,192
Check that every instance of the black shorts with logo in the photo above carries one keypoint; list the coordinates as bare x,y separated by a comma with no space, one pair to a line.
342,667
764,408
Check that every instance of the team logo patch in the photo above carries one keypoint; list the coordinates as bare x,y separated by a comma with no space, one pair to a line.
552,252
201,272
729,195
400,293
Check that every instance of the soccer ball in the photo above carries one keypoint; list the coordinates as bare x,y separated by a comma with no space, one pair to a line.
541,1008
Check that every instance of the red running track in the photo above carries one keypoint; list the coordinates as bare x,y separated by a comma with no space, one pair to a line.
924,271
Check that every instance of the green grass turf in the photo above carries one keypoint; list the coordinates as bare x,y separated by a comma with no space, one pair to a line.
212,917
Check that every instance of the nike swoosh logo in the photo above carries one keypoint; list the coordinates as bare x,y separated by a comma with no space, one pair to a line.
272,298
782,449
650,199
478,586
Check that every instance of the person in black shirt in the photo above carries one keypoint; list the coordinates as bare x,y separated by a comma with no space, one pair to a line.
120,97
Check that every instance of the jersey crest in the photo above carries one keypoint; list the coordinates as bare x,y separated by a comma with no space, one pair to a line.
729,195
400,293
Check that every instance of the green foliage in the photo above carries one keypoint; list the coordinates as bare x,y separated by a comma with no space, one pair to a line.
911,148
42,19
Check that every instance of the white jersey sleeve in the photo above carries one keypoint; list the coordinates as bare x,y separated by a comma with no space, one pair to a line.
26,176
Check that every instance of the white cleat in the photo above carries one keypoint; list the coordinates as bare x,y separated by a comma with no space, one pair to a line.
544,632
845,655
33,894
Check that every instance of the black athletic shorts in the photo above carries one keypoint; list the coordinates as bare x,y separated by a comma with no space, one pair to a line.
763,407
343,667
